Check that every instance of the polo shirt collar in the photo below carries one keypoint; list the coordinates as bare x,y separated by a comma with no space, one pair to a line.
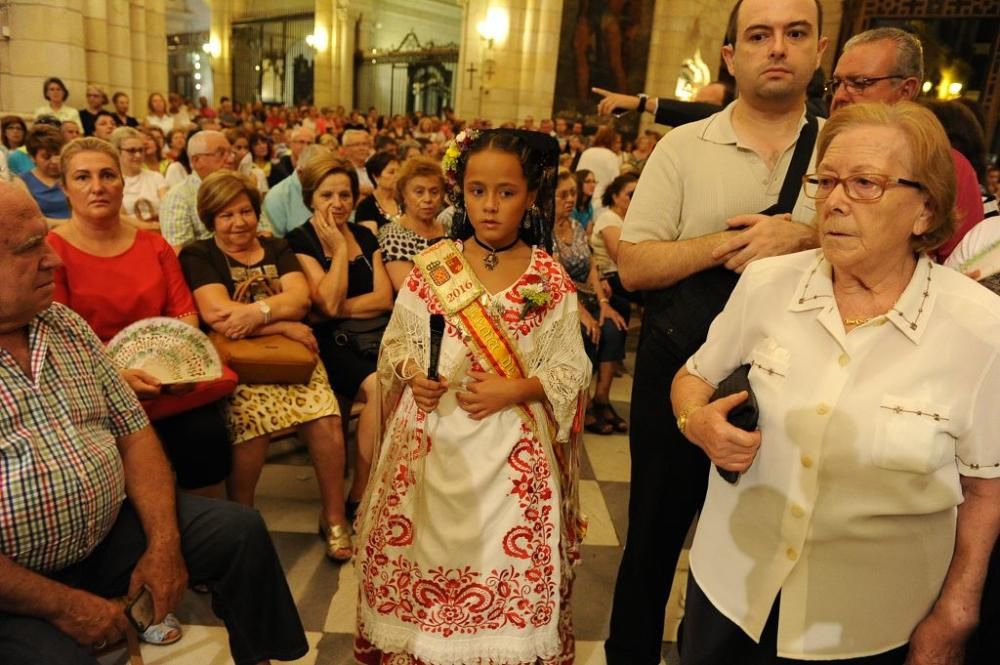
720,126
910,314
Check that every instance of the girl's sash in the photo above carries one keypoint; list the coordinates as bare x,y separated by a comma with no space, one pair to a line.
459,292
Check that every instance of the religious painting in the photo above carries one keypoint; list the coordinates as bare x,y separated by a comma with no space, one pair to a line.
604,44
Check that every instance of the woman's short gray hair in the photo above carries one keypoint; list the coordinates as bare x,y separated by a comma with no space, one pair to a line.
909,50
123,134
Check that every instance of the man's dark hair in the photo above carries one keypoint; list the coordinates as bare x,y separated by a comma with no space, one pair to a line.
223,100
734,16
114,97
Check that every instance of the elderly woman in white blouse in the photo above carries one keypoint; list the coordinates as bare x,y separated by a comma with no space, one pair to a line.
869,500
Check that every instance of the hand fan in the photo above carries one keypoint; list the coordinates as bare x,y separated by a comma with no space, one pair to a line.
169,349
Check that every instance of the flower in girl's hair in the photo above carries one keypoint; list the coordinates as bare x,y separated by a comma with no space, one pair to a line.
453,155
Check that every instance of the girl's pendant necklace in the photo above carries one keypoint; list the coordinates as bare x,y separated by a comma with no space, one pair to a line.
491,260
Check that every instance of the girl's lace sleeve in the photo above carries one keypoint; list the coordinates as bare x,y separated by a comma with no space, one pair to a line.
562,364
406,337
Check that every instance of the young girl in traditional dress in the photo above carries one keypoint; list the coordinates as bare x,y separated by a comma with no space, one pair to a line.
470,527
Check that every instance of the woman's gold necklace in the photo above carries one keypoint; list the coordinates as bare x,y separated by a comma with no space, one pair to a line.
858,322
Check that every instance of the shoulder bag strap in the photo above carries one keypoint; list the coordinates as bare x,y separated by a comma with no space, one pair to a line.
796,169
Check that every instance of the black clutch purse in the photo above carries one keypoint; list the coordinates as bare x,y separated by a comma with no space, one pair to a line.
743,415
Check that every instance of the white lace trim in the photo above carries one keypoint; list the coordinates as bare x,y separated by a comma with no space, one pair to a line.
542,644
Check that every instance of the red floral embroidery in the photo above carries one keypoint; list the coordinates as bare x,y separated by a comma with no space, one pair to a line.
449,601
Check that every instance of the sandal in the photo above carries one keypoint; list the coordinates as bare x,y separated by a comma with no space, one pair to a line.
611,416
338,541
598,424
166,632
351,510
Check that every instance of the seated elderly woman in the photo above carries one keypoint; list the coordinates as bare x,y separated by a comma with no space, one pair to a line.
113,275
420,193
144,188
602,326
43,181
351,295
869,498
229,206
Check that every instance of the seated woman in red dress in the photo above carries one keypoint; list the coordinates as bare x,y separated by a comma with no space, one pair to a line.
113,275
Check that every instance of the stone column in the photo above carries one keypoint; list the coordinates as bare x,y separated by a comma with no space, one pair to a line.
219,37
347,21
95,33
514,76
543,23
679,30
156,46
46,39
120,54
325,71
138,43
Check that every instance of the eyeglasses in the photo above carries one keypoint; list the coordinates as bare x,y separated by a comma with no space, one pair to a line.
856,85
133,151
867,187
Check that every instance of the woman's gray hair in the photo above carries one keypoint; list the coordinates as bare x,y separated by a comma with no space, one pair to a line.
123,134
909,50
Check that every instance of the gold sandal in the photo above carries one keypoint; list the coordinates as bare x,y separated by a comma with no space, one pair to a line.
338,541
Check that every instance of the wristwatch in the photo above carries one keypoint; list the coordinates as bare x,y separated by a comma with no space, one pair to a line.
265,309
642,103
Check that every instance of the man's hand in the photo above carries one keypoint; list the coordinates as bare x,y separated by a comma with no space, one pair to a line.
143,384
939,640
614,100
762,236
488,394
90,620
162,569
729,447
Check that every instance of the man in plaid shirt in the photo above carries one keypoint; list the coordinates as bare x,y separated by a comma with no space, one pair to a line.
87,505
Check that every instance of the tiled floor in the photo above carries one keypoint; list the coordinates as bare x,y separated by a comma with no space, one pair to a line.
325,593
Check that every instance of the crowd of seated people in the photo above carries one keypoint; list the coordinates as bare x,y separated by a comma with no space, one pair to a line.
168,214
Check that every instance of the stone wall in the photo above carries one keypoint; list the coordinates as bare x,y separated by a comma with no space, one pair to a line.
515,76
116,44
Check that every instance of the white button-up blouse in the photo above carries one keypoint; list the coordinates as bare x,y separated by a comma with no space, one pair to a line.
849,509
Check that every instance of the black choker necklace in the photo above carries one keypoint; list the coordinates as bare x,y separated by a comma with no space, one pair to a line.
491,260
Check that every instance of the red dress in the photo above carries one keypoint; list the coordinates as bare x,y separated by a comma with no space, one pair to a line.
111,292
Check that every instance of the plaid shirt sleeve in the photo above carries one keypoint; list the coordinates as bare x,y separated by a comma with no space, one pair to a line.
176,212
126,414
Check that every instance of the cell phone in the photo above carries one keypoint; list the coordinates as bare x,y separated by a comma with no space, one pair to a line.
139,611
